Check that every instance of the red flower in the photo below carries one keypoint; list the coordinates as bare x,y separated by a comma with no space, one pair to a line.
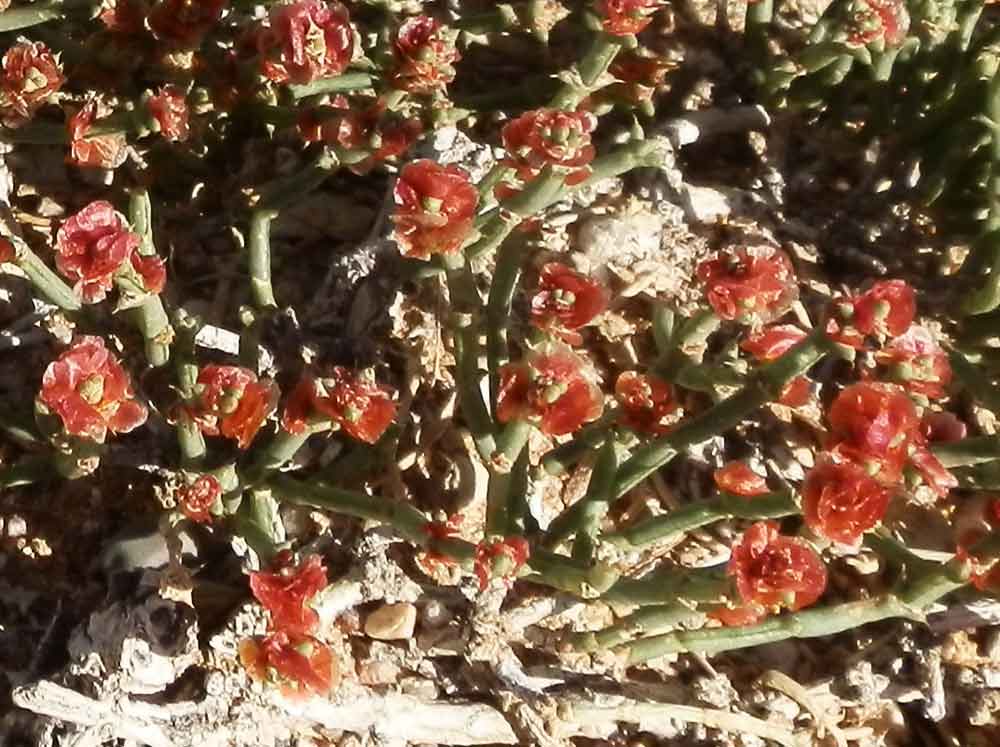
942,426
371,135
435,208
648,403
841,501
502,558
169,109
306,40
885,309
436,532
639,76
873,425
93,246
738,479
232,403
775,572
877,20
196,500
425,57
917,363
31,74
100,151
565,301
299,665
286,594
183,23
350,400
548,137
624,17
90,391
552,387
7,251
749,285
934,474
771,343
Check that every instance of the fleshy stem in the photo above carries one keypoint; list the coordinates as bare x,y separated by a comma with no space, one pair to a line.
587,76
505,277
27,472
501,500
596,502
669,585
564,456
922,591
14,19
695,515
338,84
542,567
763,386
975,381
647,621
968,451
259,244
189,436
150,317
49,285
467,304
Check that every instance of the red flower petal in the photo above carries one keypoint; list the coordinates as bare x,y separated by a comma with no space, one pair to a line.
425,58
31,74
102,151
917,362
88,389
359,406
553,388
306,40
772,342
299,665
435,208
196,500
506,555
887,308
169,109
549,137
737,478
776,571
934,474
286,593
749,286
624,17
841,501
648,403
91,246
233,403
566,300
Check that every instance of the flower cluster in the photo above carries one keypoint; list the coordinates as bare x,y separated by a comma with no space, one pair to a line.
90,392
425,56
232,402
344,399
197,499
647,403
95,250
435,208
289,655
565,301
754,285
550,138
771,572
625,17
305,40
500,558
30,77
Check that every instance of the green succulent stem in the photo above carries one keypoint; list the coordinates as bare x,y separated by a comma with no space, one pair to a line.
501,498
910,602
150,316
560,459
975,380
585,523
189,435
498,306
588,74
967,452
14,19
28,471
667,586
259,244
354,81
49,285
647,621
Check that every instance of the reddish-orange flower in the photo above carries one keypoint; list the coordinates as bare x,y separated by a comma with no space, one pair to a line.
841,501
99,151
94,246
231,402
286,594
772,572
917,362
639,76
196,500
565,301
549,137
500,558
737,478
306,40
869,21
7,251
624,17
349,399
31,74
885,309
755,285
125,17
648,403
553,388
170,110
90,391
933,472
873,425
371,135
425,56
435,208
771,343
183,23
298,665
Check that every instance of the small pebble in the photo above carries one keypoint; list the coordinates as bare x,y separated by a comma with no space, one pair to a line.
392,622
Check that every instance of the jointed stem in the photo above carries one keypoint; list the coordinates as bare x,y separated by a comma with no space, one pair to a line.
49,285
150,316
189,436
260,258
